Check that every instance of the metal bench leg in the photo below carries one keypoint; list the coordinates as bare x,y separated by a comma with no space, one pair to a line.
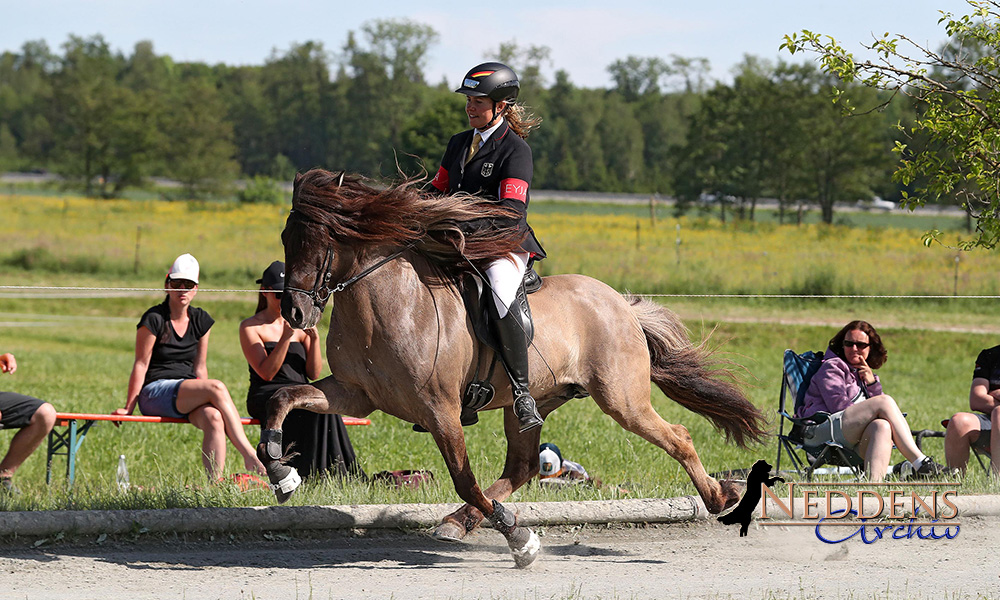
71,455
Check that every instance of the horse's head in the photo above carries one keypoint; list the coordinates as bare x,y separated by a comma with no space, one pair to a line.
313,266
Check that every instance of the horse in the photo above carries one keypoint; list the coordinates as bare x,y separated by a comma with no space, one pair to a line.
401,341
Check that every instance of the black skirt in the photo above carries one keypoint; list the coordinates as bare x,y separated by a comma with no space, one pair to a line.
319,442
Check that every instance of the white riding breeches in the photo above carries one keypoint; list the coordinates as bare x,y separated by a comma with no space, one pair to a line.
505,275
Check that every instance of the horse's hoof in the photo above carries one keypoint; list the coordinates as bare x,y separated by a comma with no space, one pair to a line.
449,532
284,481
524,547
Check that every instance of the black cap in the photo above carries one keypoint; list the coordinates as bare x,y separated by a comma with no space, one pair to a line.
274,276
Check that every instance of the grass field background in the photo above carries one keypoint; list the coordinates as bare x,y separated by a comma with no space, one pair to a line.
76,351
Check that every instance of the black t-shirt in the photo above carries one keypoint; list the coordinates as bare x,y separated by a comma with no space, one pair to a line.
173,357
988,367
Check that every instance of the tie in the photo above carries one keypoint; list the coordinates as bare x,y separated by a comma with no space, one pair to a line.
476,141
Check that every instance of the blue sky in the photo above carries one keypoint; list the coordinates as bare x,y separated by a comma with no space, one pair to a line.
584,36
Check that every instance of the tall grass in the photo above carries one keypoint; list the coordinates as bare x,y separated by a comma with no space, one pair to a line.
77,352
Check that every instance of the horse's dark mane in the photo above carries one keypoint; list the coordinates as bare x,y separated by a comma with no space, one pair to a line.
356,213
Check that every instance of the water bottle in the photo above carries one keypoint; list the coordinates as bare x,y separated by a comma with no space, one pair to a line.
122,475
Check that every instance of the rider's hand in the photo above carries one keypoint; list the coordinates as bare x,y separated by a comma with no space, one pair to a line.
7,363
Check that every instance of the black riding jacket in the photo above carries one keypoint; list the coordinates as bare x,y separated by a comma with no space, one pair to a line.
500,170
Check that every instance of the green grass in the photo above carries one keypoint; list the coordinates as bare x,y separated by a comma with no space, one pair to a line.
81,365
77,352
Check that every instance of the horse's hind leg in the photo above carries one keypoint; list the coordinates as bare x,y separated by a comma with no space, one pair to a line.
325,396
523,543
629,404
520,466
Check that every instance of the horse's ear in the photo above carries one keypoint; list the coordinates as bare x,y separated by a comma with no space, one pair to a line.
298,178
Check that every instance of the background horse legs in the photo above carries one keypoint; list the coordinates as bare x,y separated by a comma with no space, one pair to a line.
520,466
523,543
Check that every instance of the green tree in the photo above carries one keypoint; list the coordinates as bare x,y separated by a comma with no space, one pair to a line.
106,134
25,89
635,77
953,140
198,149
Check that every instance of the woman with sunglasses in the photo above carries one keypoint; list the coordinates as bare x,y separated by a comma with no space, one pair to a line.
170,373
279,356
862,418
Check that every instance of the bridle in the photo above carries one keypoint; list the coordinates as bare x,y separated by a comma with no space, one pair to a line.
322,291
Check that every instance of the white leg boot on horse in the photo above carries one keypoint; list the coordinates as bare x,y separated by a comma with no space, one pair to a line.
523,542
316,398
520,465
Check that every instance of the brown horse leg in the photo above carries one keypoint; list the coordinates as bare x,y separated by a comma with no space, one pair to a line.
523,543
636,414
520,466
325,396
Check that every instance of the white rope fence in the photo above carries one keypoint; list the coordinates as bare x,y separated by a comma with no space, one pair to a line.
11,291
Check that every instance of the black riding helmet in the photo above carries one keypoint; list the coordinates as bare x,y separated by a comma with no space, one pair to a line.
494,80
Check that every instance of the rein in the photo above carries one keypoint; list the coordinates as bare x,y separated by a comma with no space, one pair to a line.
321,291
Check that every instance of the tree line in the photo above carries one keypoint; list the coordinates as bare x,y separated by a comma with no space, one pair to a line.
109,121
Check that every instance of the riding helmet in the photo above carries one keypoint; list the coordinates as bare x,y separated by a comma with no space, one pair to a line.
494,80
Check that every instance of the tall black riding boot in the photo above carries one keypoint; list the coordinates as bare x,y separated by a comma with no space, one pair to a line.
514,351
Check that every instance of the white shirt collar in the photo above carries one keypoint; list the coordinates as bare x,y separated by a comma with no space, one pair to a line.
486,134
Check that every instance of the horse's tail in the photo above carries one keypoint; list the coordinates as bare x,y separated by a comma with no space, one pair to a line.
683,371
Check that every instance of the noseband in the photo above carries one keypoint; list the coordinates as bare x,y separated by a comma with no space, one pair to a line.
321,291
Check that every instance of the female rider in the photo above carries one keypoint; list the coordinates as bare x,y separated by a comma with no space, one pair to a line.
493,161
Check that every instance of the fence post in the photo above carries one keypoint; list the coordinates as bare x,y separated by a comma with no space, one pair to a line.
957,259
138,236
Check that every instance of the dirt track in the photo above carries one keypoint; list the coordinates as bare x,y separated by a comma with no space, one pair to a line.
695,560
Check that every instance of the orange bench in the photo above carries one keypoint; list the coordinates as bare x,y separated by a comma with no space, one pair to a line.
67,443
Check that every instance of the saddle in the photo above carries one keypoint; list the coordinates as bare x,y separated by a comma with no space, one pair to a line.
476,294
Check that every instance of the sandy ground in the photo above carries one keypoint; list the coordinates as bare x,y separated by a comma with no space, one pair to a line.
694,560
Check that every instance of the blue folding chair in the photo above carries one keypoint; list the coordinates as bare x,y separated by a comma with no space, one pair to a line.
797,373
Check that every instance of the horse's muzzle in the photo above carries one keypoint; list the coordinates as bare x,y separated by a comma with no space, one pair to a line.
299,311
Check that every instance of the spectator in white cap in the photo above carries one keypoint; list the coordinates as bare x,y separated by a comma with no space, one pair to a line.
170,374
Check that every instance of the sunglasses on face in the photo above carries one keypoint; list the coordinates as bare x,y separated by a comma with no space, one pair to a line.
182,284
858,345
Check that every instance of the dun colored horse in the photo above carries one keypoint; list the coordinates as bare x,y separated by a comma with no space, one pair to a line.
401,341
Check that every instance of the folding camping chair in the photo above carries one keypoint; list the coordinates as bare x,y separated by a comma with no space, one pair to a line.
797,372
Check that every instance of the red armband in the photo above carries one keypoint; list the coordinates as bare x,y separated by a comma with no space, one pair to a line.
516,189
440,180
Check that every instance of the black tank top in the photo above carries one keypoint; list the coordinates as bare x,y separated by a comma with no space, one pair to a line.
292,372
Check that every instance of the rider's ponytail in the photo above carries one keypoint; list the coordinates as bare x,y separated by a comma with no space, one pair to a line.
520,120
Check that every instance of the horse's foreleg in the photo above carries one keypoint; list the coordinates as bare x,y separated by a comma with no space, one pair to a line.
633,411
520,466
523,543
325,396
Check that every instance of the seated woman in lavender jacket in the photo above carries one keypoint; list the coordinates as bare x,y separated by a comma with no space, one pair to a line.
862,418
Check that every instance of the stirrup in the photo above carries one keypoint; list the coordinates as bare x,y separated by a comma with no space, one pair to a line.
528,416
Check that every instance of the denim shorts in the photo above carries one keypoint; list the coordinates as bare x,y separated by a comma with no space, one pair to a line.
159,399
